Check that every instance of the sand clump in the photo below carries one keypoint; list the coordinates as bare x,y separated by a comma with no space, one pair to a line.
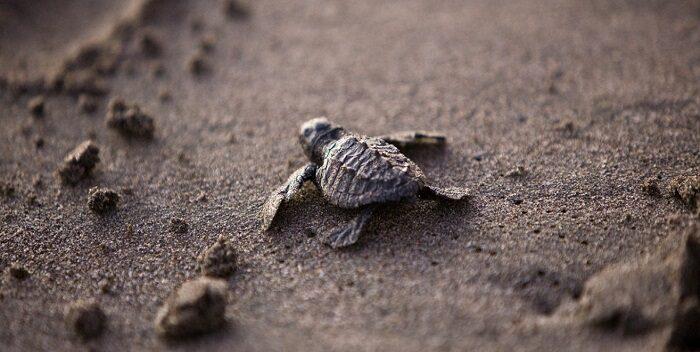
629,298
7,189
130,120
105,285
634,298
567,128
198,64
219,260
86,319
102,200
515,199
197,307
164,95
650,187
39,142
207,44
18,272
178,225
37,106
150,45
84,72
518,171
687,190
87,103
79,163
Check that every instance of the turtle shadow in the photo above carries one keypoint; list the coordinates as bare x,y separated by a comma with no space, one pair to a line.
428,223
400,224
228,331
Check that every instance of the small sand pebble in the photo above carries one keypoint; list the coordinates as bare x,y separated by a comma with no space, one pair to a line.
105,285
18,272
39,142
197,64
7,189
164,95
567,127
197,307
178,226
219,260
33,200
37,182
201,197
515,199
207,43
310,232
36,106
102,200
86,319
650,187
150,45
79,163
87,103
129,120
518,171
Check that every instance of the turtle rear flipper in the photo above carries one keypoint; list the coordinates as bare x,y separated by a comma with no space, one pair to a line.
285,193
449,193
349,233
414,138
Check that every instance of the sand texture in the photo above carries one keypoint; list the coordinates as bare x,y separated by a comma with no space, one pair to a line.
575,125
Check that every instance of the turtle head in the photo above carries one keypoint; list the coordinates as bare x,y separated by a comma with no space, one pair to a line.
315,134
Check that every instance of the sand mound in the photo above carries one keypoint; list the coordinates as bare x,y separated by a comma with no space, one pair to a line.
632,298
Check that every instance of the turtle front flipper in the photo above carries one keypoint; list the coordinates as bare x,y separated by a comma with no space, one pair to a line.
449,193
407,139
349,233
285,193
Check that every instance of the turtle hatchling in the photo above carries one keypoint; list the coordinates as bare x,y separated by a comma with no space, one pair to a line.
355,171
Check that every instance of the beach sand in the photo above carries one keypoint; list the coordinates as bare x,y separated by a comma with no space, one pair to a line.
568,120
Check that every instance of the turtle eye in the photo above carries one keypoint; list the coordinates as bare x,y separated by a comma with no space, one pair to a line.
307,132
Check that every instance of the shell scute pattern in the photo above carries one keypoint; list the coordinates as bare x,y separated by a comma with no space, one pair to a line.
359,170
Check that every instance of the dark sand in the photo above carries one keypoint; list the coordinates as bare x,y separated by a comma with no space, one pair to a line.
591,98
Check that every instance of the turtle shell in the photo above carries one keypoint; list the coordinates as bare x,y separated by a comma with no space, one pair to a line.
359,170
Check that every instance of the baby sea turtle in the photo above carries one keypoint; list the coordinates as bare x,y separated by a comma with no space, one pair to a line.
355,171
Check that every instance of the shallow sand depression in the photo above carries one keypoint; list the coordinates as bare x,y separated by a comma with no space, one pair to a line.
574,124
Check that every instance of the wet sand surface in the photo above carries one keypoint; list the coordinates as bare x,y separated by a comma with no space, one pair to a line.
594,100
